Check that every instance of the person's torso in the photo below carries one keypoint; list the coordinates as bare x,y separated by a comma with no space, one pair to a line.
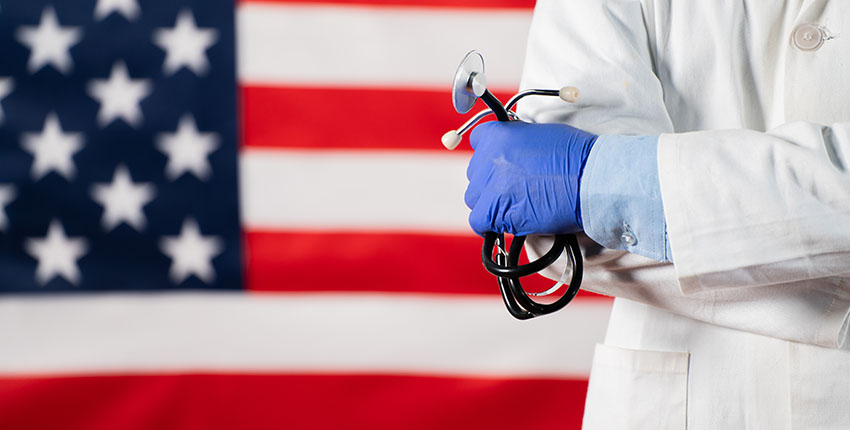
727,65
749,63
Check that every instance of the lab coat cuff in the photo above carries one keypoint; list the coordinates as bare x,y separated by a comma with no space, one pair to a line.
621,197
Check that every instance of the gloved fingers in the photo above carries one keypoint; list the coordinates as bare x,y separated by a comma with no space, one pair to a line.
498,213
481,133
480,182
488,214
479,218
479,172
481,167
500,137
471,196
524,178
473,166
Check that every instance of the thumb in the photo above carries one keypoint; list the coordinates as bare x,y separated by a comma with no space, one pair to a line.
481,133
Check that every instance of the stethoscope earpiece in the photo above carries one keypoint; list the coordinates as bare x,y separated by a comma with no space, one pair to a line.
568,94
451,139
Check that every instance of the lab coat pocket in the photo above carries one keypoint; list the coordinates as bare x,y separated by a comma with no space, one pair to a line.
637,389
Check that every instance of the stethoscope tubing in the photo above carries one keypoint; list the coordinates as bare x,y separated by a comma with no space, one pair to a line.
519,271
511,103
571,249
517,301
496,106
506,264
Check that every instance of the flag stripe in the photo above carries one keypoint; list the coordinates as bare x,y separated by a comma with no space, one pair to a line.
335,347
378,262
354,190
295,333
350,118
487,4
419,47
344,261
261,401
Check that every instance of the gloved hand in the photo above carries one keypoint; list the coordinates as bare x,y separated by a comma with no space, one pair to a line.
524,178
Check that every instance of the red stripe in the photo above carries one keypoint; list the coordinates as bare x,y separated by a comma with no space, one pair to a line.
375,262
338,118
288,401
484,4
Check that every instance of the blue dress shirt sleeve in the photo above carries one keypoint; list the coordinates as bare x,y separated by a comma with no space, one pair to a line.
620,196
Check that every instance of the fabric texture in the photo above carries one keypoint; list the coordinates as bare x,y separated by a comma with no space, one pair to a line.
753,163
621,196
525,178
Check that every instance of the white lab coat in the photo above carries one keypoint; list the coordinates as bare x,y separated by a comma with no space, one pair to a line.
748,329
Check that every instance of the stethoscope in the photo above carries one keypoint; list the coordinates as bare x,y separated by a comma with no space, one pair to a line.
470,85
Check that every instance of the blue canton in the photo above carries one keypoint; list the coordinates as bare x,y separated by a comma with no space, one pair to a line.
118,146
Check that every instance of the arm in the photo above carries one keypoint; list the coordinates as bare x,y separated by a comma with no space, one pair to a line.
781,202
771,211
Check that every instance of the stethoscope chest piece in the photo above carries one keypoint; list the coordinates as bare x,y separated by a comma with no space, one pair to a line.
469,83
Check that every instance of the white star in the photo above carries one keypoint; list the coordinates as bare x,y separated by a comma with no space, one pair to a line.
57,254
7,194
119,96
129,8
191,253
187,149
52,149
184,44
6,85
122,200
49,43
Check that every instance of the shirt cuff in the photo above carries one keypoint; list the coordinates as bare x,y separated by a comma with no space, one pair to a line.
621,197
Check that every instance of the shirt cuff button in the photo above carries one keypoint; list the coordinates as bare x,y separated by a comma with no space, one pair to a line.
628,237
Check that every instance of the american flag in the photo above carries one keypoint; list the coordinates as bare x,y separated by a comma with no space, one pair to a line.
240,216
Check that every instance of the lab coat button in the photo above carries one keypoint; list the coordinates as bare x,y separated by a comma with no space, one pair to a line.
808,37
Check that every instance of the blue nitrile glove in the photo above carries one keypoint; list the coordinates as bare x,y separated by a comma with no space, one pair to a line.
524,178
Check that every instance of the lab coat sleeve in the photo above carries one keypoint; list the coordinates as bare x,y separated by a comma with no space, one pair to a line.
759,227
602,48
751,209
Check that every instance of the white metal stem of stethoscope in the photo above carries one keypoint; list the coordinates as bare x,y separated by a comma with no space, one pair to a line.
452,138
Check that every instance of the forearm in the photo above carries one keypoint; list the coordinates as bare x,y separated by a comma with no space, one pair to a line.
747,209
621,197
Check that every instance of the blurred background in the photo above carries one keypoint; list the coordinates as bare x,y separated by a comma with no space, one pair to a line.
219,215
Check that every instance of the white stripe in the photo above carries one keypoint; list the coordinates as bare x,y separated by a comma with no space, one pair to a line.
324,333
354,190
368,46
